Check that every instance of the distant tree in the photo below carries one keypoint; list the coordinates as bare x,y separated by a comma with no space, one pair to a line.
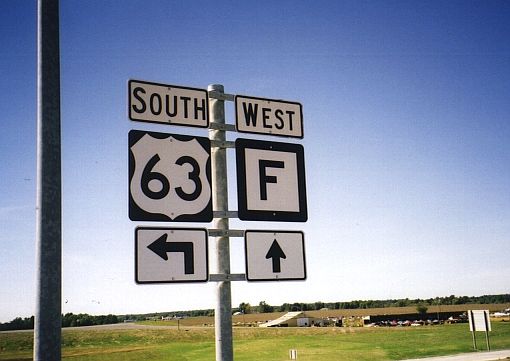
284,308
422,310
111,319
318,305
296,306
244,308
18,323
265,308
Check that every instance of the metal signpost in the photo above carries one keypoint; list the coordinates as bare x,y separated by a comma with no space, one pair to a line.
223,310
177,178
47,322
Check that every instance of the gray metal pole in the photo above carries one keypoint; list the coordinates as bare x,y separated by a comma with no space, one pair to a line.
47,328
223,312
486,320
473,327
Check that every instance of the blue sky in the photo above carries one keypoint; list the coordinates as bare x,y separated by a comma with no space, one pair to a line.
406,118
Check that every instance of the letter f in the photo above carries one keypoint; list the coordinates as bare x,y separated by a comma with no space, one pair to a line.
264,178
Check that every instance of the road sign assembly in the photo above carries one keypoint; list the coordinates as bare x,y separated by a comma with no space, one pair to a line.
172,178
270,181
169,177
268,116
274,255
168,104
167,255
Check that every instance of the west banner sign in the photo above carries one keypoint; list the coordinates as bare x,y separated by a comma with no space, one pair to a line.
270,181
169,177
269,116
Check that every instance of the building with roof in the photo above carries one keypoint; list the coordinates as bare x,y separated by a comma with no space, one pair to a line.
291,319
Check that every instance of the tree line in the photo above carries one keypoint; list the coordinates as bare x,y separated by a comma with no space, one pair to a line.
263,307
68,320
83,319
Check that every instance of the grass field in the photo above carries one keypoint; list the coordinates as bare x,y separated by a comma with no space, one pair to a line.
272,344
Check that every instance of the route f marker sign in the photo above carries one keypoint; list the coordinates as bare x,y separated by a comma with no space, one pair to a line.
270,181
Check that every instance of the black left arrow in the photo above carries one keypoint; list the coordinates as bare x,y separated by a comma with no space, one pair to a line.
161,247
276,253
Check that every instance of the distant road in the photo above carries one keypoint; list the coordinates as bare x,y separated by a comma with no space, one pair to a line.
114,326
121,326
472,356
118,326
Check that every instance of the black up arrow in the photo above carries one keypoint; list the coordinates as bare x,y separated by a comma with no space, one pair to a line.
161,247
276,253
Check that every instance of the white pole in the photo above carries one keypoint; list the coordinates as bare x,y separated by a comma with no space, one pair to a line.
223,311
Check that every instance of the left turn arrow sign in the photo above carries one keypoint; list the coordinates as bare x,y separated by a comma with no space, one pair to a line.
161,247
167,255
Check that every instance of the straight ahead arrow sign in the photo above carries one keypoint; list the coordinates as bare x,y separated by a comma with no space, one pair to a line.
276,253
264,251
161,247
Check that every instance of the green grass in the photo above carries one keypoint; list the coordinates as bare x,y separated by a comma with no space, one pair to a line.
273,344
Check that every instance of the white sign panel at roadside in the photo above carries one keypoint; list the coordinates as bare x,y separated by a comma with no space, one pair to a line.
166,255
168,104
269,116
274,255
479,320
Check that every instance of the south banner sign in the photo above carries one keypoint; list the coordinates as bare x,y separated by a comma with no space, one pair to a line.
169,177
167,255
270,181
168,104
